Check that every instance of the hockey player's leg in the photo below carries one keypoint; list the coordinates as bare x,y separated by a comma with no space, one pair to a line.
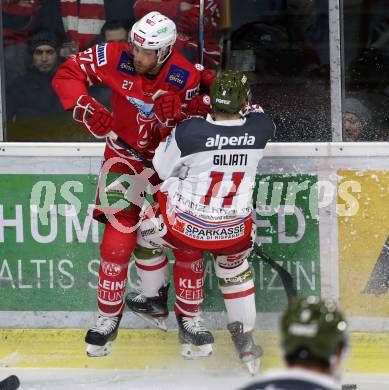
188,273
236,283
150,303
115,250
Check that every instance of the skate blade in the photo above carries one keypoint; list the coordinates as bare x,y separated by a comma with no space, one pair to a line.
98,350
253,366
160,323
195,352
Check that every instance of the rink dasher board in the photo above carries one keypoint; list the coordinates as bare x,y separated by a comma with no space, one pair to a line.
321,159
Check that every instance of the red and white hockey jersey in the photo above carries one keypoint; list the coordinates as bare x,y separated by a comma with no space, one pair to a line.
111,64
209,170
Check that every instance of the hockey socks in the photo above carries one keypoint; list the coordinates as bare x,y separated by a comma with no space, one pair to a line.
153,270
188,273
116,249
237,285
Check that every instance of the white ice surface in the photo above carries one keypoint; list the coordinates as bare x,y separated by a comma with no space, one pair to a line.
102,379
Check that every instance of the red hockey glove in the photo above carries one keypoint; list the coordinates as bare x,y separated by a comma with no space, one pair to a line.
167,109
200,105
93,115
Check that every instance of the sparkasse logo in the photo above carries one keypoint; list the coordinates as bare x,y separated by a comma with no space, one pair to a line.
220,141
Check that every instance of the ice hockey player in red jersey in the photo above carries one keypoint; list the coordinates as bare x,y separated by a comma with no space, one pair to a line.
151,85
205,204
314,340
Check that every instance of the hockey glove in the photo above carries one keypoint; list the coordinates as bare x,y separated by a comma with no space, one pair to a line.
93,115
167,109
200,105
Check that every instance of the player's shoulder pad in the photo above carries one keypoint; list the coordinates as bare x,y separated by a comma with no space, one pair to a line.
126,63
101,54
262,122
107,53
177,76
184,129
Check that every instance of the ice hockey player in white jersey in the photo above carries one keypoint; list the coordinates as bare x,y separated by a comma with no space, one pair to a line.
314,341
205,204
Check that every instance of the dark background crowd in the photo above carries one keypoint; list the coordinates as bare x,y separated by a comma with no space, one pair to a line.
282,45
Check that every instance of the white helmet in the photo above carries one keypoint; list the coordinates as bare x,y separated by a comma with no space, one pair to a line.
156,32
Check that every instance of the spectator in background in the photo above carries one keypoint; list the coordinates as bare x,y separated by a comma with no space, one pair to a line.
115,31
314,341
32,95
368,75
19,18
186,16
82,21
33,109
119,10
357,121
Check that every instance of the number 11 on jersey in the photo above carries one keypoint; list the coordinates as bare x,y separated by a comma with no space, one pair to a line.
216,180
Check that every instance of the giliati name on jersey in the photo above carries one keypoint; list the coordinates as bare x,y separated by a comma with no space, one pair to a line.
219,141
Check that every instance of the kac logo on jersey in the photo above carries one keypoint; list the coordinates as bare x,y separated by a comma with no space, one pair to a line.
101,54
126,64
219,141
145,109
197,266
111,269
177,76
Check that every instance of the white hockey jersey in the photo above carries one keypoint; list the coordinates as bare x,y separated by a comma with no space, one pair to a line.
209,170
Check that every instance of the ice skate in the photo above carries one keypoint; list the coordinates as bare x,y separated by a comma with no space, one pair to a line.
153,310
100,337
196,339
249,352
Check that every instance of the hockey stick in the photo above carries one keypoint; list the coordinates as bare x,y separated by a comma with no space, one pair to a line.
286,277
10,383
201,31
134,152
